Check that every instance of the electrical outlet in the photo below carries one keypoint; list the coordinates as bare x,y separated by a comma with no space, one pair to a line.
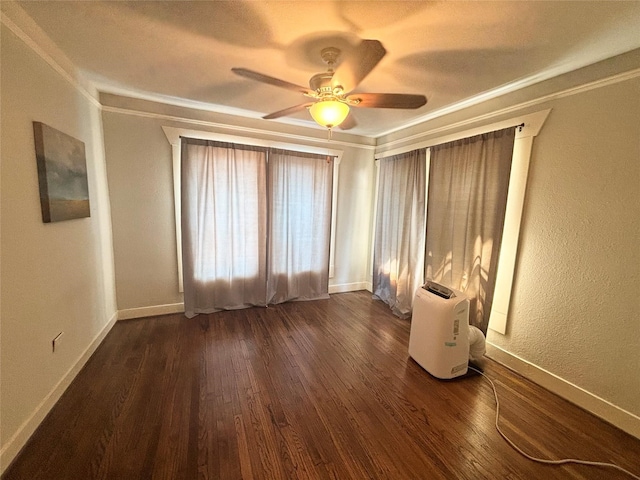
56,342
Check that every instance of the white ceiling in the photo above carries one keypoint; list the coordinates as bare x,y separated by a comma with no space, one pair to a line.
182,52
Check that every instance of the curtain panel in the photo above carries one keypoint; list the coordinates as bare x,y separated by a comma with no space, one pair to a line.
299,205
224,226
255,225
468,184
400,225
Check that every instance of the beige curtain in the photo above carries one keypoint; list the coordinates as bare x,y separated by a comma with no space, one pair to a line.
255,225
399,235
224,226
468,183
300,192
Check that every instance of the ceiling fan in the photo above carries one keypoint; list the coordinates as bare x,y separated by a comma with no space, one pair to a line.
330,92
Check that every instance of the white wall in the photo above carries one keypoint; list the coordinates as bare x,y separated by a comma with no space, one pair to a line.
55,277
140,181
139,166
575,307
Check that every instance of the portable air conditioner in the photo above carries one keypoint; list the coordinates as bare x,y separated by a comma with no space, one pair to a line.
439,337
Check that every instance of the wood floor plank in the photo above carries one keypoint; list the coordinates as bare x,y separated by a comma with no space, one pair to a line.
303,390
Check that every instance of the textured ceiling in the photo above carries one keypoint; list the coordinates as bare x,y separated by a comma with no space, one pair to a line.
182,52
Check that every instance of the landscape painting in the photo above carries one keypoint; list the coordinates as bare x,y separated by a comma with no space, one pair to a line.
62,174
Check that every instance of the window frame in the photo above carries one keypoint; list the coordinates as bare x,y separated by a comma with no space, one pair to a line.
528,126
173,135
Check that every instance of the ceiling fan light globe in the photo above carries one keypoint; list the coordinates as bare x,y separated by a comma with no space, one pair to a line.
329,113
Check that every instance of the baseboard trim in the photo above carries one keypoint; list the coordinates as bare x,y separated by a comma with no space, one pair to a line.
19,439
601,408
348,287
140,312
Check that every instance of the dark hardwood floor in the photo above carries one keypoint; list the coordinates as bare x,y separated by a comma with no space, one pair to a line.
304,390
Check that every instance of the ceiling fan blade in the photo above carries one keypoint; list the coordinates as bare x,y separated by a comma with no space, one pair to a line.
387,100
348,123
357,65
287,111
244,72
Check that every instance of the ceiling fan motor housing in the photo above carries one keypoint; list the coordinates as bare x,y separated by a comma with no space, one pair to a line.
321,83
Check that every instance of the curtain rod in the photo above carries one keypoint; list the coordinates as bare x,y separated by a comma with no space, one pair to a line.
519,128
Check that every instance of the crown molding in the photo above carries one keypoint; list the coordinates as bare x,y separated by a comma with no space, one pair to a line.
19,22
603,82
514,87
240,130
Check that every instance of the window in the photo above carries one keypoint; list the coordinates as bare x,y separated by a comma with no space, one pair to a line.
515,198
294,166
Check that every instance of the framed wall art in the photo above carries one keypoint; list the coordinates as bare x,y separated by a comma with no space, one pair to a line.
62,174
